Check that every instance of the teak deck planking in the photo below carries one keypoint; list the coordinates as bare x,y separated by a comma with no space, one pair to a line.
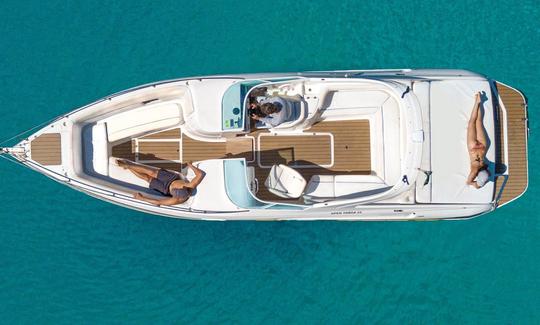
46,149
305,153
516,110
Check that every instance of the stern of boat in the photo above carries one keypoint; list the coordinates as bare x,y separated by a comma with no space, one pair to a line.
512,130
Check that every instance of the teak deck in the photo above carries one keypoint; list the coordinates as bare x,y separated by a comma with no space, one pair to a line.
517,131
46,149
347,141
295,150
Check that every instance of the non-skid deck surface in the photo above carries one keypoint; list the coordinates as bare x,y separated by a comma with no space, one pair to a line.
295,150
160,149
46,149
517,144
351,144
169,148
351,153
351,150
194,150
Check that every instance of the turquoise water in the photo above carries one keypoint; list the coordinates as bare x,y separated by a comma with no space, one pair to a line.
67,258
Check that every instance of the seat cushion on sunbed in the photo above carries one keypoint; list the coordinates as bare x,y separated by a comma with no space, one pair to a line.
151,117
451,103
100,149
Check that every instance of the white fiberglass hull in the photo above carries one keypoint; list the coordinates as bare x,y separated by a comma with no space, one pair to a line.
405,201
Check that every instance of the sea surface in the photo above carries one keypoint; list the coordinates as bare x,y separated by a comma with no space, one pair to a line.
68,258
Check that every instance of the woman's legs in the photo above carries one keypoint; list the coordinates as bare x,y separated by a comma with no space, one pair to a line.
480,130
471,128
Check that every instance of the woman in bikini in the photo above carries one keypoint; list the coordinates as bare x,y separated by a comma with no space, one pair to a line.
477,145
173,185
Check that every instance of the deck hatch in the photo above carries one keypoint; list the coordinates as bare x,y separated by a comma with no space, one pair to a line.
46,149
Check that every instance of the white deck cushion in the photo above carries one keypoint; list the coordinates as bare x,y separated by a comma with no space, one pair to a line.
285,182
350,184
151,117
210,193
423,192
100,149
124,175
329,186
321,186
451,106
391,140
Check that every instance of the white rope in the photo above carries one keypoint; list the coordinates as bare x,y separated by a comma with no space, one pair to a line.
24,132
13,160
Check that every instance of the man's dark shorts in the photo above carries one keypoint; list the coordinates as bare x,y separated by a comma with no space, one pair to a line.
163,181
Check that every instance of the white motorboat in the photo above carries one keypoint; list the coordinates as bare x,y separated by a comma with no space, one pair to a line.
354,145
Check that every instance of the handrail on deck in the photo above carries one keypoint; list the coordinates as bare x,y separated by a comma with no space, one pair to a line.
505,149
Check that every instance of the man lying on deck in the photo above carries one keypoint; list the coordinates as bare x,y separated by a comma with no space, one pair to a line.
477,145
171,184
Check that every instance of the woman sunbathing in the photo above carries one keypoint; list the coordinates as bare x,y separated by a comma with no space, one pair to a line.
477,145
171,184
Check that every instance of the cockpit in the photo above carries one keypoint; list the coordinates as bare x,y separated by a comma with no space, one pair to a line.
240,98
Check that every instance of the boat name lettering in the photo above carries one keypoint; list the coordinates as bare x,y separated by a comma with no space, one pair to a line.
345,212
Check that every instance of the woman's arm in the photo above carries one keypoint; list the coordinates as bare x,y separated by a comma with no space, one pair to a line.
471,177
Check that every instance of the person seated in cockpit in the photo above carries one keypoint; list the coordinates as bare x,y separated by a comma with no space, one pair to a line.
271,111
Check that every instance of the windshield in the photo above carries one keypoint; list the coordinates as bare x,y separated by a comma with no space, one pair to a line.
232,112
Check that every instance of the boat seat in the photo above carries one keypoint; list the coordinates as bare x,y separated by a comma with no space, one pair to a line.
96,149
392,128
150,117
100,149
125,181
99,137
296,112
451,103
423,184
322,187
285,182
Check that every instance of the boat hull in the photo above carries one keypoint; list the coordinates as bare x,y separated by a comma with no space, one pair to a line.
58,156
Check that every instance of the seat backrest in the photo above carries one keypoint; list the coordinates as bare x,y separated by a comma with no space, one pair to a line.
96,149
391,127
151,117
100,147
296,114
285,182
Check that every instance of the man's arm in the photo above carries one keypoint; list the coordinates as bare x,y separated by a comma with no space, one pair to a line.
167,201
199,175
